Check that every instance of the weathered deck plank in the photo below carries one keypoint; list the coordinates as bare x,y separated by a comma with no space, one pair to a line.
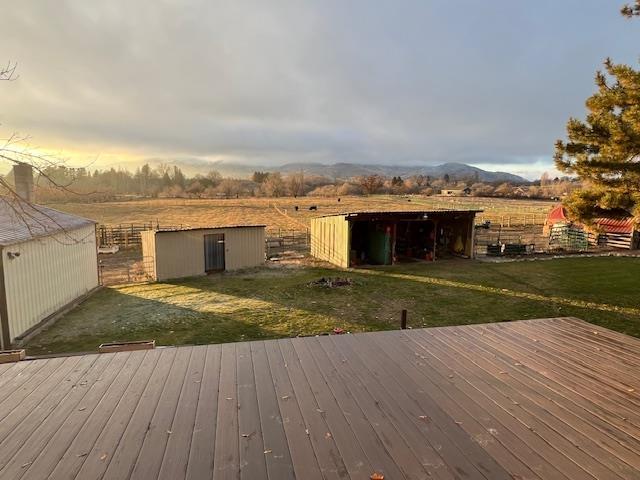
534,400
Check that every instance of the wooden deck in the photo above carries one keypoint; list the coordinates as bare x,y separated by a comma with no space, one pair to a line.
538,399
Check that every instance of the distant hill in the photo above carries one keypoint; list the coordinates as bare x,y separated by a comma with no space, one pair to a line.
341,171
454,170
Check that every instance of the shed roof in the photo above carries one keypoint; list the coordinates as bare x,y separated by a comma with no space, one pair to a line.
400,213
616,225
217,227
556,215
537,399
21,221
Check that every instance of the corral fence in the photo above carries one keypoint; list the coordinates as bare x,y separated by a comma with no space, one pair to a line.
281,242
497,241
512,220
114,270
126,235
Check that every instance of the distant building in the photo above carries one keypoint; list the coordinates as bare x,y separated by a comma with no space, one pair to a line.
456,193
177,253
388,237
520,192
48,262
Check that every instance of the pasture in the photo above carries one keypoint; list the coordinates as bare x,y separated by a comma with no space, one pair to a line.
280,213
273,302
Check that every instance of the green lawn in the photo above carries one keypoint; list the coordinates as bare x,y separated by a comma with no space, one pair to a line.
278,302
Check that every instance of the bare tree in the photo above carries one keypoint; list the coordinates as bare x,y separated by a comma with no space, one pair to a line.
371,183
8,72
295,184
16,151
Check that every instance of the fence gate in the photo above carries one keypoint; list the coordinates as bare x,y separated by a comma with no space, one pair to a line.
214,252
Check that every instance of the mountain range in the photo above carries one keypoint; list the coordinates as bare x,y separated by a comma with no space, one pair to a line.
338,171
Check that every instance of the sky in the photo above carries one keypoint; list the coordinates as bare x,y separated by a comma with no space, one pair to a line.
489,83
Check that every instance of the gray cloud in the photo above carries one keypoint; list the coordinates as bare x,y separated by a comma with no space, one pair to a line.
387,82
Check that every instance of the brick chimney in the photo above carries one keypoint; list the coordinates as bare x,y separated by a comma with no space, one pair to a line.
23,180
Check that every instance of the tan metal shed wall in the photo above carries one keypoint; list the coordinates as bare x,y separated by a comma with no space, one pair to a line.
148,240
181,253
330,240
50,273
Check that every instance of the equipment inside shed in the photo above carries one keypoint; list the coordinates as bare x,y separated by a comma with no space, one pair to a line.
390,239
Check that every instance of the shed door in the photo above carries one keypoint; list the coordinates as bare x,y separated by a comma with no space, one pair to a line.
214,252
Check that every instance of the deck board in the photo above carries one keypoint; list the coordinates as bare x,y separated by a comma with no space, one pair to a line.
278,460
91,385
114,380
545,402
203,438
536,399
226,462
542,429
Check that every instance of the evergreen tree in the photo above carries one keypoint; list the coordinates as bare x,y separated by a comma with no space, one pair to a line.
604,149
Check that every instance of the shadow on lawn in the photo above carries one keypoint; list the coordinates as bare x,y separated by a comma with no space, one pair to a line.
266,304
380,293
111,315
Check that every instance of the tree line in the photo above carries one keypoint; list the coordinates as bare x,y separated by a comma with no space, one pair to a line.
169,181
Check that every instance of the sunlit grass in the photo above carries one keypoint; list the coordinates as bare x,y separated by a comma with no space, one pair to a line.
273,303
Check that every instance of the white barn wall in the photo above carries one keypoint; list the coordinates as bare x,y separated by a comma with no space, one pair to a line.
50,273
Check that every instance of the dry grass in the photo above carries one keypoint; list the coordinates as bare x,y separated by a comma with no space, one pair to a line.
279,213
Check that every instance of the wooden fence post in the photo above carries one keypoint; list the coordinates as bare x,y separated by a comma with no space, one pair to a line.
403,320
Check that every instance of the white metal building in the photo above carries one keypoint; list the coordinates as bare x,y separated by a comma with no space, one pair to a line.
48,261
197,251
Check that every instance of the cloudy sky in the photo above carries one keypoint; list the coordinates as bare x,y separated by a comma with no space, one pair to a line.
490,83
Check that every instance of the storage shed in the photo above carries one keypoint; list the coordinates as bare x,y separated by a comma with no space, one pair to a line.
385,238
177,253
48,261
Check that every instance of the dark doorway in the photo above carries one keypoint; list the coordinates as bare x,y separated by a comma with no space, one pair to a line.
415,240
214,252
371,243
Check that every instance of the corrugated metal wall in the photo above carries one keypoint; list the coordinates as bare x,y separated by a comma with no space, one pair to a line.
330,240
181,253
50,273
148,241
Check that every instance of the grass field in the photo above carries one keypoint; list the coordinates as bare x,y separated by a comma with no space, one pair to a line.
279,213
278,302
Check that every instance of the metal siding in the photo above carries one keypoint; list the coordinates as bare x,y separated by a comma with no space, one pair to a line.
330,240
181,253
50,273
148,240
